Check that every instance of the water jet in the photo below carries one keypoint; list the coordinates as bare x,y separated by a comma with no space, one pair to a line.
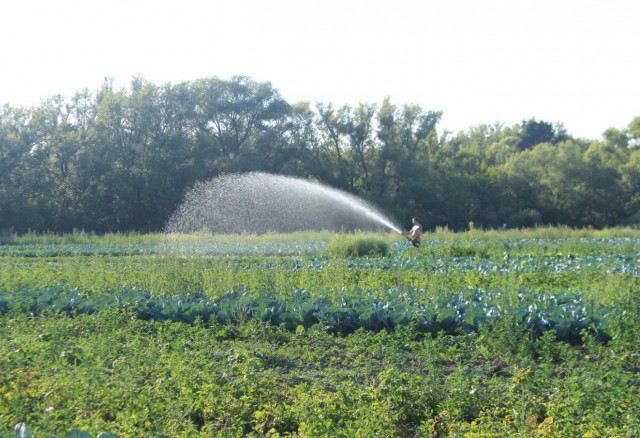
260,202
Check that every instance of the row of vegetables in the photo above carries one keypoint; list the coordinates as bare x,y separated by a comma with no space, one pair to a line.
455,248
625,264
567,314
162,249
612,264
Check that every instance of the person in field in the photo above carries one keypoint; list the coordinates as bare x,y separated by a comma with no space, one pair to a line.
414,233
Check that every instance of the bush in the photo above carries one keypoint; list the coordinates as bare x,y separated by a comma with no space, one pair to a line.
350,245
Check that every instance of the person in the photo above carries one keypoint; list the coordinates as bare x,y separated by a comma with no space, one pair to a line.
414,233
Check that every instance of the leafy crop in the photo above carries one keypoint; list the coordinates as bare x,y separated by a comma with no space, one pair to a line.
566,314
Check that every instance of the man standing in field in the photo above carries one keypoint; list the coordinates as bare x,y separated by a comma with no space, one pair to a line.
414,233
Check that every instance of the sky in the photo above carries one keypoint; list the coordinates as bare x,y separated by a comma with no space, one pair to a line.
574,62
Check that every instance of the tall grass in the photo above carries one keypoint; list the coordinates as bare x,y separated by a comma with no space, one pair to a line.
538,232
79,237
131,238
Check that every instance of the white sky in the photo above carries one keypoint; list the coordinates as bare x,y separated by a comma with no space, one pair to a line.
479,61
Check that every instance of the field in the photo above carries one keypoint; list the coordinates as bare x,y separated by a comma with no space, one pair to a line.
514,333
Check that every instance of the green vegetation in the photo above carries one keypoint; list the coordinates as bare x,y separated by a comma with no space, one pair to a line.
123,160
357,246
530,333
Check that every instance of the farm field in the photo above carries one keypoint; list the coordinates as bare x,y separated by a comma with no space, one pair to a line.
515,333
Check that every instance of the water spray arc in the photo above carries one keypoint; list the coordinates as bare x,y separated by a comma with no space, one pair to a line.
260,202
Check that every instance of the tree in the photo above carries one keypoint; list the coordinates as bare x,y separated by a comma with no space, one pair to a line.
144,157
332,133
232,114
565,185
18,209
389,152
616,138
301,154
534,132
358,126
633,131
404,162
630,182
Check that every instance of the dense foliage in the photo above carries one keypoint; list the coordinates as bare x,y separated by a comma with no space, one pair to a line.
123,159
357,246
478,334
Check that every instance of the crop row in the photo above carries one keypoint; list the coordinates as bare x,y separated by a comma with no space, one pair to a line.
183,249
608,264
442,248
566,314
614,264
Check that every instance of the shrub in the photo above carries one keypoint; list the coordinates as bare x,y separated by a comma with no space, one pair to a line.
351,245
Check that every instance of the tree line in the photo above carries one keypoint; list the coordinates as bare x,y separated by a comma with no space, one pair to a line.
122,159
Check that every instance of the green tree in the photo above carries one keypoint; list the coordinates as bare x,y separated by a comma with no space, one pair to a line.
59,140
604,204
18,207
404,161
630,183
389,151
464,188
231,115
358,126
144,157
566,185
534,132
333,137
616,138
633,131
302,154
